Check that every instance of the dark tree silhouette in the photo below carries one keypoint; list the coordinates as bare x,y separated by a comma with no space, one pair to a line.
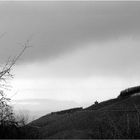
129,92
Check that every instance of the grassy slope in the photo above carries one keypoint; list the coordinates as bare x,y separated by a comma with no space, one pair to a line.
110,119
49,118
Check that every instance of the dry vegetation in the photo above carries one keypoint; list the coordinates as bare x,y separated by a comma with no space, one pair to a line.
10,124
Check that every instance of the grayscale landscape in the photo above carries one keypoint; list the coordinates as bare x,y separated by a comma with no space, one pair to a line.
69,69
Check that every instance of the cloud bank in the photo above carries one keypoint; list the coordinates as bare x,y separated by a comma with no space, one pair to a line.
57,28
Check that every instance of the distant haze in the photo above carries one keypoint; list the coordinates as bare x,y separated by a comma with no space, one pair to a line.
81,51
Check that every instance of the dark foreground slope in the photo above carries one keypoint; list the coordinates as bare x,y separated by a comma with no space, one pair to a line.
116,118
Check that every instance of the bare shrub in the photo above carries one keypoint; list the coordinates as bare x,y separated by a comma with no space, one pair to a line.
7,116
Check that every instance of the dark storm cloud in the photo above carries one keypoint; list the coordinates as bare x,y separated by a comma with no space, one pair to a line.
59,27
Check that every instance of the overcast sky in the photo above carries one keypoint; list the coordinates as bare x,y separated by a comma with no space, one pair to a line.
81,51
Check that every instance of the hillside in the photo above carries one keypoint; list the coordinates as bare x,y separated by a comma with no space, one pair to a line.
115,118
